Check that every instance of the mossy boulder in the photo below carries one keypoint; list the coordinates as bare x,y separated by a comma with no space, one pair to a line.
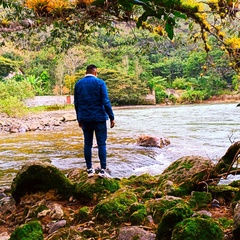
228,193
89,190
157,207
28,231
145,186
200,200
116,207
197,228
95,188
170,218
185,174
40,177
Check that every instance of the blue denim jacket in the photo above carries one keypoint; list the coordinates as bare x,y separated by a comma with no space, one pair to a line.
91,100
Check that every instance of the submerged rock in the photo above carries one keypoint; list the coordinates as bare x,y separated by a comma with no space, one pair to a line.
150,141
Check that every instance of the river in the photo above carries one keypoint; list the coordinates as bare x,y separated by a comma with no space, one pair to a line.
204,130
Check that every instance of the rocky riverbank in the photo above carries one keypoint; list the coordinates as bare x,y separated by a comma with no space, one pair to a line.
50,120
184,202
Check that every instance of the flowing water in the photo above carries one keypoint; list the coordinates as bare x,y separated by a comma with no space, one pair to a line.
205,130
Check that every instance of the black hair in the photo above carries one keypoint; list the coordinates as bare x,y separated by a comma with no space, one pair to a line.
91,67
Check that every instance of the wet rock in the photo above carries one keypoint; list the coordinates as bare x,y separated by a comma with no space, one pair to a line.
134,232
150,141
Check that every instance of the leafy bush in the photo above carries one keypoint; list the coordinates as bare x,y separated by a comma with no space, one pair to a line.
13,107
12,94
192,96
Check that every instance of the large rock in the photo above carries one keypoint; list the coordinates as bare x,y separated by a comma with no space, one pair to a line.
30,231
116,208
151,141
197,228
40,177
185,174
91,189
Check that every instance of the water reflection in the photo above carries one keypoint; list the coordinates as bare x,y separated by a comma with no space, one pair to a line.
202,130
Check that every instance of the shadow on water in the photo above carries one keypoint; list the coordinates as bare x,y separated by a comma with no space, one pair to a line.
193,130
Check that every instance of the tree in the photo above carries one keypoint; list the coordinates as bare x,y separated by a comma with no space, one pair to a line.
67,22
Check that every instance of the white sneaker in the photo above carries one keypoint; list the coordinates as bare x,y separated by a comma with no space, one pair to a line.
90,172
103,174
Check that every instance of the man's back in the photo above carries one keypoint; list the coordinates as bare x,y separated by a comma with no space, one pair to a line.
91,100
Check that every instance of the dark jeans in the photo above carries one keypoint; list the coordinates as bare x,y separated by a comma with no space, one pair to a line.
100,129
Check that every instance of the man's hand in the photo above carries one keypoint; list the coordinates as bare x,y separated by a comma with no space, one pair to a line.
112,123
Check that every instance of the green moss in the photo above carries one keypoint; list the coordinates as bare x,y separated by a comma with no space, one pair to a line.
197,228
40,177
170,218
93,190
82,215
138,213
138,217
116,207
145,185
226,223
158,207
144,180
227,192
187,165
28,231
200,200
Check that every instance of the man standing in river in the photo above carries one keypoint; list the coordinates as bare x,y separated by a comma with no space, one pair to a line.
93,109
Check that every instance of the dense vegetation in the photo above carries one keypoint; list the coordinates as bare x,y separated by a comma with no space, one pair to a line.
133,62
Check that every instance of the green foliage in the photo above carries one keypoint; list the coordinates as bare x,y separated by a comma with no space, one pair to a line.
197,228
69,83
13,107
191,96
12,94
20,90
123,89
181,83
28,231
